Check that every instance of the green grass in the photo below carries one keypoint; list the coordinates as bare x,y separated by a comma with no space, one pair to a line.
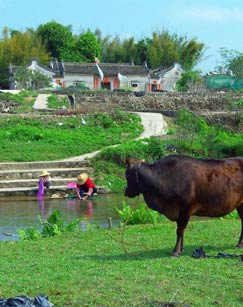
58,101
24,101
42,138
92,269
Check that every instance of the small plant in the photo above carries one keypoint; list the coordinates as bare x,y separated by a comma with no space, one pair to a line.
53,226
141,215
31,233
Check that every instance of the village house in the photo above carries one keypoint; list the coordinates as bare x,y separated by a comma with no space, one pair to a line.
110,76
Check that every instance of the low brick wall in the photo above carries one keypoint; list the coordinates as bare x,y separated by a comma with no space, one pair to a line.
156,101
215,107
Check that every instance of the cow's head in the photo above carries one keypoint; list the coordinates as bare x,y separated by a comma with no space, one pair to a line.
132,188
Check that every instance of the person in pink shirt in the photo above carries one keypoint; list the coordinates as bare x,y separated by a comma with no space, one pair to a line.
44,182
85,185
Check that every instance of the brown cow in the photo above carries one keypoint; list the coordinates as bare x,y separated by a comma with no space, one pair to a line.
180,186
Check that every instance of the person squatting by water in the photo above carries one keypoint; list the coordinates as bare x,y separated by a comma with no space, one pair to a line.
85,185
44,182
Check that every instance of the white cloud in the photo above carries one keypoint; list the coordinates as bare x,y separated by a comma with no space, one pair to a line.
215,14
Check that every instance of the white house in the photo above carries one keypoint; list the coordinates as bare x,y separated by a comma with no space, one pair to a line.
110,76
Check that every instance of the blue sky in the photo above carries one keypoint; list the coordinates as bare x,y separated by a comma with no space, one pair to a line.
214,23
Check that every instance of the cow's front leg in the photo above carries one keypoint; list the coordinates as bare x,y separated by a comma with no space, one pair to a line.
181,226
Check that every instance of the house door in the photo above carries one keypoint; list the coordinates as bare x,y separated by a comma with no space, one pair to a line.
154,87
106,85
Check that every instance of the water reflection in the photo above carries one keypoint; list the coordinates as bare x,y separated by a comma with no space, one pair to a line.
23,213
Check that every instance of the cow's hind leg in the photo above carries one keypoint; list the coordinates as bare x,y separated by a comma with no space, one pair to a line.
240,212
181,226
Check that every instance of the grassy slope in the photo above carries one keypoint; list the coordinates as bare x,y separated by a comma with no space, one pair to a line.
92,269
49,138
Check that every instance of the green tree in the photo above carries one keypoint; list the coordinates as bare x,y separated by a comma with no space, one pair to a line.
236,66
188,78
165,49
155,52
111,49
129,51
18,48
231,60
190,53
31,79
88,46
57,38
141,51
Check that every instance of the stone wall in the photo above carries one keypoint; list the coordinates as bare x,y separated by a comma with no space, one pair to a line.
157,102
215,107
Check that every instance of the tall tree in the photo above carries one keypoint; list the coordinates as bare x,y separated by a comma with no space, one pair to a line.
18,48
165,49
129,50
58,39
141,51
88,46
111,49
231,60
190,53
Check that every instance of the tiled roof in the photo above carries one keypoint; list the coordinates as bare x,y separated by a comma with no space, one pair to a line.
107,68
156,73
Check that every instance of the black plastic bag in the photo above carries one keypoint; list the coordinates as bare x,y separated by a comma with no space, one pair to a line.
199,253
19,301
40,300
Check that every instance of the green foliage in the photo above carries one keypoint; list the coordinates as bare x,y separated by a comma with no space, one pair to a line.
31,233
31,79
88,46
162,50
230,58
57,102
236,66
49,138
196,137
18,49
188,78
150,149
165,49
53,226
56,37
141,215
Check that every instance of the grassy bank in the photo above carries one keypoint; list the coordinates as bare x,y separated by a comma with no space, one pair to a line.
92,269
43,138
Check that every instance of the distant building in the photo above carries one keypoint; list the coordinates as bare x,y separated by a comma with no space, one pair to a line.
165,79
110,76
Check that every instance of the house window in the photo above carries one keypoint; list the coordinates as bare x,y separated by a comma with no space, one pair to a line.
134,84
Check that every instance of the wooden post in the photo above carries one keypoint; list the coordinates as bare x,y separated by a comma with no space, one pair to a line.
110,222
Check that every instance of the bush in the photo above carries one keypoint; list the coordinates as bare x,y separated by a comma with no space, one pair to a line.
141,215
53,226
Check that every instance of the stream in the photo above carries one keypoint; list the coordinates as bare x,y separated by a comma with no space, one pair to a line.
23,213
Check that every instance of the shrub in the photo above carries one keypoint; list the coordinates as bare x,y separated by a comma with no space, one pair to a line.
53,226
141,215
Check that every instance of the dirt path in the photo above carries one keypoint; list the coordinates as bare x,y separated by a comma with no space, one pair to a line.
153,123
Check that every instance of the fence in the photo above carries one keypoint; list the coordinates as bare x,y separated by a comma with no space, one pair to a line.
223,82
